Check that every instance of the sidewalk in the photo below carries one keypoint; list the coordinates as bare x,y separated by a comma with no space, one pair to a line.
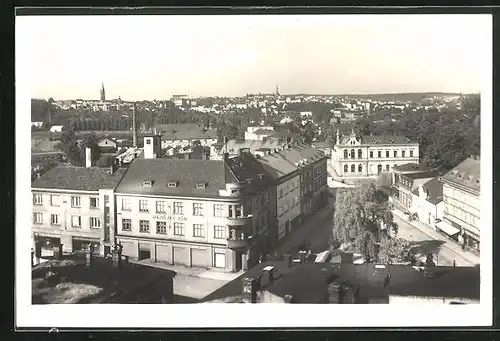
300,234
450,245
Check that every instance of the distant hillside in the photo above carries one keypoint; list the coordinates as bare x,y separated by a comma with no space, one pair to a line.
392,97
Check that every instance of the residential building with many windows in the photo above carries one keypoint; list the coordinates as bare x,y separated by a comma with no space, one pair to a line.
301,175
356,156
195,213
462,201
75,206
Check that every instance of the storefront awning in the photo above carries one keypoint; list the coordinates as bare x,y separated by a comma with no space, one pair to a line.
447,228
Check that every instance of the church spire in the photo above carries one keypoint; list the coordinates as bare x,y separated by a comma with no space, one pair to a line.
103,92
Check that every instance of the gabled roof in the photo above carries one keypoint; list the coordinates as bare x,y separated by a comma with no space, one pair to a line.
434,188
79,178
467,173
263,131
246,166
187,173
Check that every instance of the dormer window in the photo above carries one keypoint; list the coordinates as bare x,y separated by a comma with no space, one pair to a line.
147,183
201,185
173,184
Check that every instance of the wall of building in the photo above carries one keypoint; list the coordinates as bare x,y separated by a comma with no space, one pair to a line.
288,203
65,229
462,208
370,160
188,142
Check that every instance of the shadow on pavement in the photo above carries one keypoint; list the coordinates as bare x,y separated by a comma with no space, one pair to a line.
426,246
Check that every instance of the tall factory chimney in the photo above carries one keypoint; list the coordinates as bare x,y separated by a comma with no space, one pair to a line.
134,125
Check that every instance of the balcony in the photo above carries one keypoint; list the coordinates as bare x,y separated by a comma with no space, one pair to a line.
233,243
240,221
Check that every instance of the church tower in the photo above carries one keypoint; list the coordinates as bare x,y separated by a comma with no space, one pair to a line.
103,93
277,93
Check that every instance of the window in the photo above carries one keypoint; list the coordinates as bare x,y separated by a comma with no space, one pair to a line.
353,154
37,199
54,219
197,230
218,210
161,227
76,221
126,225
387,168
75,201
219,232
371,154
178,208
237,211
143,206
144,226
346,169
54,200
379,153
403,153
160,206
94,202
148,141
197,209
37,218
411,153
179,229
95,222
345,153
353,168
360,153
395,153
231,210
281,193
386,153
360,168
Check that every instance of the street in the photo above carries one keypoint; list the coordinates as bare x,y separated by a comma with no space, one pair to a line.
426,244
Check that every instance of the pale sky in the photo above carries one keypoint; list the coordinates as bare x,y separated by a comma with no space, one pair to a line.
154,57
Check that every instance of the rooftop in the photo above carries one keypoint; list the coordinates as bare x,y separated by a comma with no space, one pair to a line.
414,167
283,162
307,282
79,178
434,189
185,131
102,282
185,173
380,139
467,173
245,166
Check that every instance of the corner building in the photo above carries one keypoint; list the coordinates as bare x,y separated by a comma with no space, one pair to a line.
196,213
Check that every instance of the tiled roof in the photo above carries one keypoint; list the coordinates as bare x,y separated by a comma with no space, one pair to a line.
379,139
281,163
467,173
187,173
79,178
263,131
434,188
246,166
414,167
186,131
233,146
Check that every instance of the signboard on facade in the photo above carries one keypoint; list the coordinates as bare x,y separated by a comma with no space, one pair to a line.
159,216
219,250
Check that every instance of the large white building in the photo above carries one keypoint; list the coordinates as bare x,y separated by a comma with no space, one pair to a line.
183,135
364,156
258,132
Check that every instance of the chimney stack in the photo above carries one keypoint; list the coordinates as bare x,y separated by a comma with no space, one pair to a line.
249,290
268,275
134,125
88,157
288,260
302,256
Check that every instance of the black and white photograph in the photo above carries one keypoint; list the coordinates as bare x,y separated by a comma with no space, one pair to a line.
203,160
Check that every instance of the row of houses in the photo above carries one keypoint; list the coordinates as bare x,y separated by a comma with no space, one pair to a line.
198,213
448,201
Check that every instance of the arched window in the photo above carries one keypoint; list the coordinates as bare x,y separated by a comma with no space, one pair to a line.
360,168
345,153
346,169
379,168
353,168
360,153
353,154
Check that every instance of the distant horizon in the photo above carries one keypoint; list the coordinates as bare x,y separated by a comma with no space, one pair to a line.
269,93
147,57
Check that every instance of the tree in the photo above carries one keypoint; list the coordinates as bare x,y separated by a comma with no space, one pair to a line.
69,146
359,214
393,250
91,141
106,161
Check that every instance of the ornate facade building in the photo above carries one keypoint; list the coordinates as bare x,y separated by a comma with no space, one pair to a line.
364,156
